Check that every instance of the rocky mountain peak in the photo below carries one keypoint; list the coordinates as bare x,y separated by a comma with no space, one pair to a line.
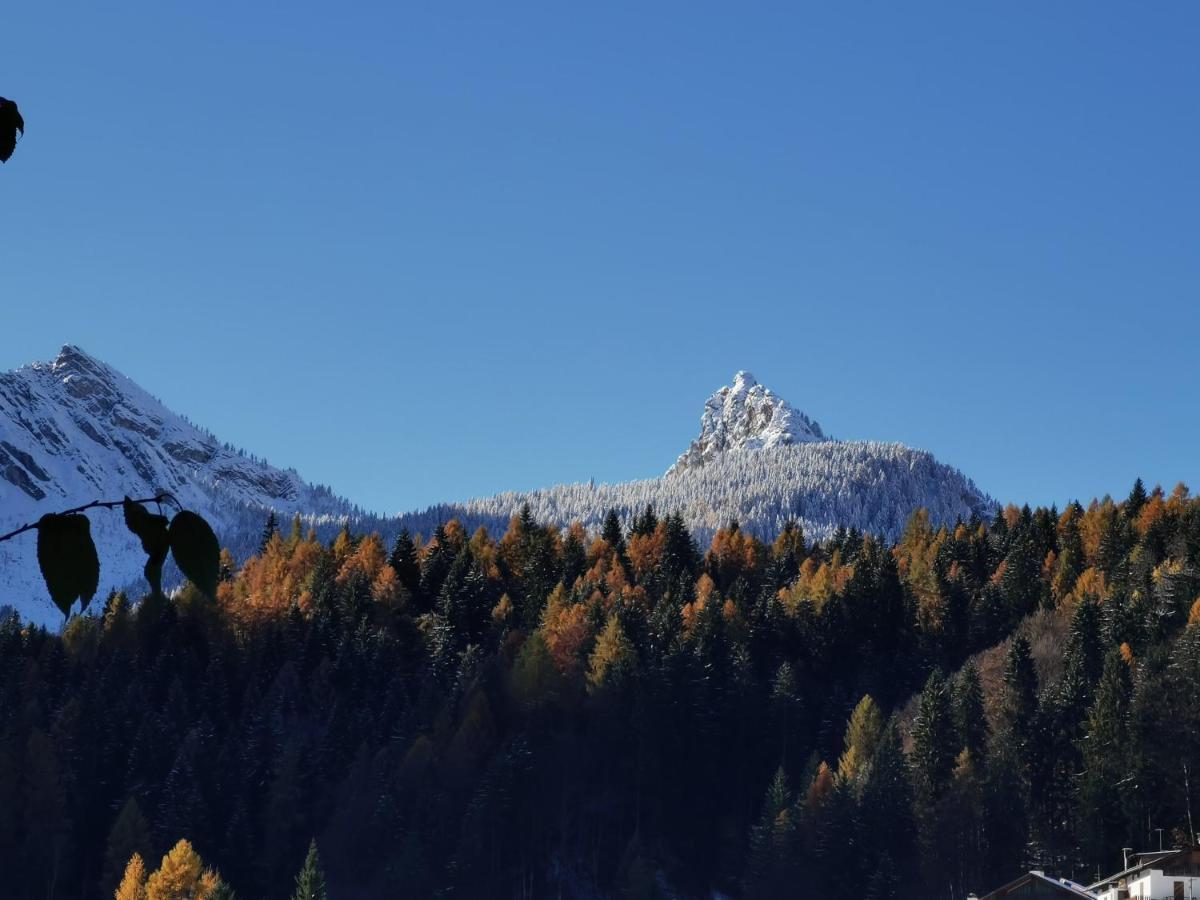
747,416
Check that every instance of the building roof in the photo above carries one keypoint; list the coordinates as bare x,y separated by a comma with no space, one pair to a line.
1145,859
1041,879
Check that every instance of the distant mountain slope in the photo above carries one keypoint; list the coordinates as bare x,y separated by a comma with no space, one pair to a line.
872,486
77,430
762,462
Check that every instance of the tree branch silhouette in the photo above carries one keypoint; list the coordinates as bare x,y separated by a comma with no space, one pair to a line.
95,504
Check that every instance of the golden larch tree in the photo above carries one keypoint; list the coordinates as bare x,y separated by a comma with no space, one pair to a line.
182,876
133,883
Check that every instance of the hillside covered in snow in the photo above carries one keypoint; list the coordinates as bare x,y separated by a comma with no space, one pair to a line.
759,461
76,430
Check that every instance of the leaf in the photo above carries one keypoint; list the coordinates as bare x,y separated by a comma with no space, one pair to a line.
67,557
152,531
10,123
196,550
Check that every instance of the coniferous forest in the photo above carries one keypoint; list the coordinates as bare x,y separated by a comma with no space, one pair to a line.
557,713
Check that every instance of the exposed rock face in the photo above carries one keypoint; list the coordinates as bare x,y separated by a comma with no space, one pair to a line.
746,416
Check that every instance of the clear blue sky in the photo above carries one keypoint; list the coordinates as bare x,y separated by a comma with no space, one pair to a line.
431,251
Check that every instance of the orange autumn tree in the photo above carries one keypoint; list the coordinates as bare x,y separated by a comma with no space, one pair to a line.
269,584
732,554
691,611
645,551
816,584
566,630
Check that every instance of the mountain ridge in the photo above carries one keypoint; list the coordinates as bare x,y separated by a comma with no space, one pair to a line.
76,429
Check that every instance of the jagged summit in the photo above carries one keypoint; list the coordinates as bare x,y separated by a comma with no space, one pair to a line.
746,416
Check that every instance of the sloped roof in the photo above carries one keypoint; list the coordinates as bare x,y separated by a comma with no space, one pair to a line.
1067,888
1144,860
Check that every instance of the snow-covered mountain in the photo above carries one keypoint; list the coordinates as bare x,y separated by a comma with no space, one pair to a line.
762,462
76,430
746,416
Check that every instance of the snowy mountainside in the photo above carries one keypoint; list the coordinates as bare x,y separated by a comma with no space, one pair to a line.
760,461
746,416
873,486
76,430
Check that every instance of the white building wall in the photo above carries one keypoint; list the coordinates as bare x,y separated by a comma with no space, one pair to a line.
1154,885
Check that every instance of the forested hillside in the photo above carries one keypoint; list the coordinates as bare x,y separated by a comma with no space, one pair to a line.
541,713
822,485
75,429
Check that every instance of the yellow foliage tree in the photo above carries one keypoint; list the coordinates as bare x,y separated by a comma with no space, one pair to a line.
816,583
368,558
611,658
133,883
916,555
182,876
862,737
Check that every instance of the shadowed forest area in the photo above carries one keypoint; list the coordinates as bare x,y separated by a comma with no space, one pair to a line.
549,714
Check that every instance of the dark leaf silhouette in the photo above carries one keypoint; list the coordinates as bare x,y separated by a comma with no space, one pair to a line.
152,530
10,123
196,550
68,560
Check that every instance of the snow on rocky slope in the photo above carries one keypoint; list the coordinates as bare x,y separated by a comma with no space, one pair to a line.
76,430
746,416
762,462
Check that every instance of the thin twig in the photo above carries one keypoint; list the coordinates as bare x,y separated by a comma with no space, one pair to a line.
95,504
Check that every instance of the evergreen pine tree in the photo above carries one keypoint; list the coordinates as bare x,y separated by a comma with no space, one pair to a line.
785,708
645,524
1137,499
128,837
574,558
886,807
270,529
970,722
1020,687
403,559
933,749
310,883
612,533
1105,758
772,841
1021,582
